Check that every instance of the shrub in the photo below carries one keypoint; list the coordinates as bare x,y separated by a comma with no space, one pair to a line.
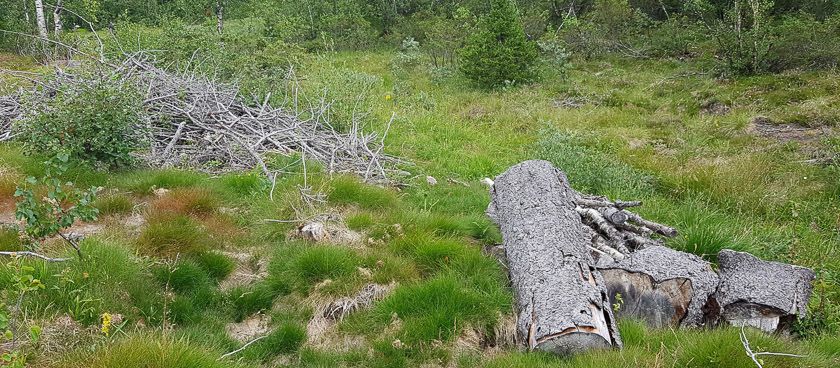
742,34
96,123
499,53
804,42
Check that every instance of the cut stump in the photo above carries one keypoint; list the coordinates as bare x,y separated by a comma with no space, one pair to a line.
761,294
661,286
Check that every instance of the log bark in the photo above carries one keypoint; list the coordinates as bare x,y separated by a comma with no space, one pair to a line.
561,299
761,294
661,286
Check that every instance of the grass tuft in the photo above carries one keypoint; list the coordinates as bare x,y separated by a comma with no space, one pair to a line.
168,236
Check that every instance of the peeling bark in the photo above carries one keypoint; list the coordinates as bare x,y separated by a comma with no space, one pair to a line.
561,299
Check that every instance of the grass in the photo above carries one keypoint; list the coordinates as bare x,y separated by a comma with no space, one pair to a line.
171,235
115,204
641,134
150,351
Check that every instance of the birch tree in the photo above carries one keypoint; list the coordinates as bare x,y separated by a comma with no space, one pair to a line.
39,17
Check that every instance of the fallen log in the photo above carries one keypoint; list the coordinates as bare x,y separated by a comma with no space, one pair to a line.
761,294
661,286
562,303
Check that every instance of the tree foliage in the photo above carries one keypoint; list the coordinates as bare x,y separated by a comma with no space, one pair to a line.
499,53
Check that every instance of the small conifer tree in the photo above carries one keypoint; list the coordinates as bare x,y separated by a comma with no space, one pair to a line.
498,53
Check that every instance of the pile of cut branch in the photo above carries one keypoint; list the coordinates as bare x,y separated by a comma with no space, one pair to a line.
9,110
617,231
195,122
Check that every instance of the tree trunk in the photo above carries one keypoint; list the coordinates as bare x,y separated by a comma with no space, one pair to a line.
562,303
761,294
220,16
39,17
57,17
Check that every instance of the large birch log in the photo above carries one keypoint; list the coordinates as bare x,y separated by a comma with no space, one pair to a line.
561,299
661,286
761,294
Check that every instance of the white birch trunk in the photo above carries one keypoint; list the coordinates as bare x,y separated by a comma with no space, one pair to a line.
39,17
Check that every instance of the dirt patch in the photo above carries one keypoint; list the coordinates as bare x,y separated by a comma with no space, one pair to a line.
249,329
786,132
249,269
714,107
321,331
328,228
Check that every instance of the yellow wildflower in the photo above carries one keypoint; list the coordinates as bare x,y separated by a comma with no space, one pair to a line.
388,97
106,323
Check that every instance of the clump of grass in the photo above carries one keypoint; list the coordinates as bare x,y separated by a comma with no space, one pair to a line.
108,279
10,239
217,265
149,351
346,190
186,201
286,338
247,300
184,276
430,310
144,182
114,204
167,236
243,185
301,266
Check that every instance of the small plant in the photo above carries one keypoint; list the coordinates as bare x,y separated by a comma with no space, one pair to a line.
21,281
96,124
499,53
48,206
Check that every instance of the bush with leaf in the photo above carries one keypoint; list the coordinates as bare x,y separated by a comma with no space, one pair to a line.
97,123
499,54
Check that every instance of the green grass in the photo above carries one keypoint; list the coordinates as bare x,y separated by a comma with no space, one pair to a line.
169,236
641,134
115,204
150,351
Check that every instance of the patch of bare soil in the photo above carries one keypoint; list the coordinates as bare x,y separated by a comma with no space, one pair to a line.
320,330
787,132
475,340
329,228
249,269
714,107
249,329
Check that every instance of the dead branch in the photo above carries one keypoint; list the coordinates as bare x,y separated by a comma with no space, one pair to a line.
34,255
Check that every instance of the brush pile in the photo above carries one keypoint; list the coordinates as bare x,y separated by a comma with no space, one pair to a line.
194,122
9,110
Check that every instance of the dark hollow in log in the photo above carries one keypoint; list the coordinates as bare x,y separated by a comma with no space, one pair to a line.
761,294
661,286
562,303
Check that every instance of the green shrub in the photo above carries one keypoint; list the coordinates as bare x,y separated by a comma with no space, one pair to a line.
499,53
800,41
743,33
96,122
